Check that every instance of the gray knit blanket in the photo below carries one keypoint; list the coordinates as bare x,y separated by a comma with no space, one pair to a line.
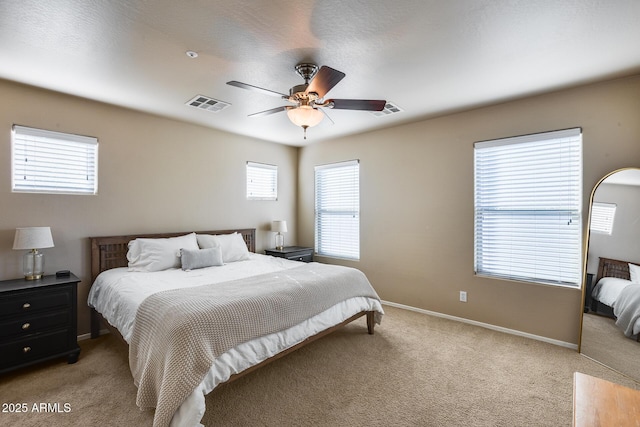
626,308
178,333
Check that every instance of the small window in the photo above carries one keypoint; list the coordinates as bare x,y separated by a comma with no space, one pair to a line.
602,215
52,162
337,210
528,208
262,181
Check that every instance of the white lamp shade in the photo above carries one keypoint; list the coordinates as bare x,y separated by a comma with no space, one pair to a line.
279,226
33,238
305,116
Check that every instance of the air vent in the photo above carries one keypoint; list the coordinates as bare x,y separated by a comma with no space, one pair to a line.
202,102
389,108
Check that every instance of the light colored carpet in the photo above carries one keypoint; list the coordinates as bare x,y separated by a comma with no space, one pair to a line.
603,341
417,370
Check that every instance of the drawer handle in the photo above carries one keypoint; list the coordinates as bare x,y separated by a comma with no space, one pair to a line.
26,349
26,305
26,326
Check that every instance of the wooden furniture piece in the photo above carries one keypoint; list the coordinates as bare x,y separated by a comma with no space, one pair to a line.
111,252
295,253
597,402
38,321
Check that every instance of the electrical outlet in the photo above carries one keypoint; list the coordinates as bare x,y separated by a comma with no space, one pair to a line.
463,296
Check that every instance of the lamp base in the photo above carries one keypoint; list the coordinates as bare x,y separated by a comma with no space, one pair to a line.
33,265
279,241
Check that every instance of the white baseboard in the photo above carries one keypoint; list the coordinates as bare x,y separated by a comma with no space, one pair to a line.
484,325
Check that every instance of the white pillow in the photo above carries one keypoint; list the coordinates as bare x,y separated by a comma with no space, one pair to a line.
158,254
233,245
206,241
634,272
200,258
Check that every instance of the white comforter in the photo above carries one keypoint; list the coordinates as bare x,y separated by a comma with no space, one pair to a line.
624,297
627,310
608,288
117,293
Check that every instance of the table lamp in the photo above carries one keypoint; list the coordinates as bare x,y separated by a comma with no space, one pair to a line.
32,239
280,227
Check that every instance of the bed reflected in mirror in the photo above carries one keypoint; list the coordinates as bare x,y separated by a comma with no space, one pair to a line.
611,318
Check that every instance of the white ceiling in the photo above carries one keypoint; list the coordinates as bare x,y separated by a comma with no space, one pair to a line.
429,57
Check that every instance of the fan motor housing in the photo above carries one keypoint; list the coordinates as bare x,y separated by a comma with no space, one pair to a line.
298,90
298,94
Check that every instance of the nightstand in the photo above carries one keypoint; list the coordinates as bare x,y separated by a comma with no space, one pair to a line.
588,301
38,321
295,253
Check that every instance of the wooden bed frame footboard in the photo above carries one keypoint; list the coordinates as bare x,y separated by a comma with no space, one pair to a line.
111,252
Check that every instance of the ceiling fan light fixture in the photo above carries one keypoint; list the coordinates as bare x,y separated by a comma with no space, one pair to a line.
305,116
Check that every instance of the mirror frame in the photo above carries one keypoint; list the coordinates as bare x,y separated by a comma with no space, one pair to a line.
586,249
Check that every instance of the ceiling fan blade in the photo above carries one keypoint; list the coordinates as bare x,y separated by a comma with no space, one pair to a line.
256,89
327,115
267,112
325,79
356,104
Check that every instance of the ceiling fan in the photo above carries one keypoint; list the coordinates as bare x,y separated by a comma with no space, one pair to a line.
308,97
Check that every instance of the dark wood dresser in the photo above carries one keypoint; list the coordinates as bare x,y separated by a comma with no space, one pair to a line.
38,321
295,253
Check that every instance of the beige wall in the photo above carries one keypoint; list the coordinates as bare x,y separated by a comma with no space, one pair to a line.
417,202
161,175
155,175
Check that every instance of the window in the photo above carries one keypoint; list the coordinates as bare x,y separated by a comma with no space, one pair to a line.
602,215
262,181
52,162
337,211
528,197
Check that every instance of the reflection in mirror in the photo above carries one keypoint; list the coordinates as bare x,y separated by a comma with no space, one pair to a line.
611,318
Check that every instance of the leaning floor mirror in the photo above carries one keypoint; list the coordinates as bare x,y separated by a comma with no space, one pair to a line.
611,315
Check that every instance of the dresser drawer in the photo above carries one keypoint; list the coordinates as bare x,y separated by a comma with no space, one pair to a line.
293,253
22,326
304,257
27,302
37,321
28,349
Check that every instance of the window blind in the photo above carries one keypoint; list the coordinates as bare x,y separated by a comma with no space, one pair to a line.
262,181
337,210
52,162
602,215
528,197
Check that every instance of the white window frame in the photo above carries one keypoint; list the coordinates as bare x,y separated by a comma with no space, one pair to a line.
262,181
528,200
602,217
337,210
50,162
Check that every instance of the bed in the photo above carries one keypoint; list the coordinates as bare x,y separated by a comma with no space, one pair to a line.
617,294
194,326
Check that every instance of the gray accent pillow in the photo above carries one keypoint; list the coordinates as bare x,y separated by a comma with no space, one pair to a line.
200,258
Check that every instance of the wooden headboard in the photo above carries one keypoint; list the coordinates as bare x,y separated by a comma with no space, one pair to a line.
613,268
111,251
